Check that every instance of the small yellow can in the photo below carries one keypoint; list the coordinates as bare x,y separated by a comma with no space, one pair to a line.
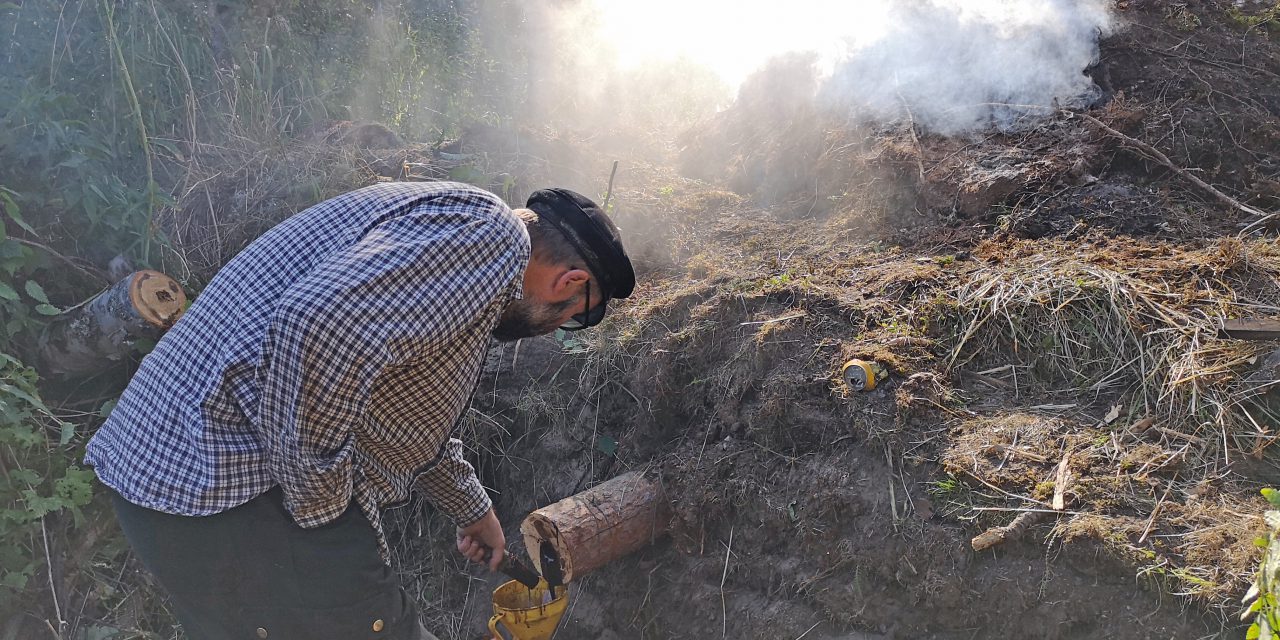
862,375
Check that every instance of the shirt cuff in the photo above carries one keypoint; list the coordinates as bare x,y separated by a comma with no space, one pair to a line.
453,488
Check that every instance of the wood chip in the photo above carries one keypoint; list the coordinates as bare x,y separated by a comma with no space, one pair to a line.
1180,435
1111,415
1142,425
1060,481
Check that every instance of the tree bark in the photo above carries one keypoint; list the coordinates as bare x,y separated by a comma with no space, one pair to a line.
105,330
599,525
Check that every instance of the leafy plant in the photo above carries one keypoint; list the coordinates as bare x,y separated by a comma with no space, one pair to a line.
569,343
40,478
1263,605
1268,19
20,305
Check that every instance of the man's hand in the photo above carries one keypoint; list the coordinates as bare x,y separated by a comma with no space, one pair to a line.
479,537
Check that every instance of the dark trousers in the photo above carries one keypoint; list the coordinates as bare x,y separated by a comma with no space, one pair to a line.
252,573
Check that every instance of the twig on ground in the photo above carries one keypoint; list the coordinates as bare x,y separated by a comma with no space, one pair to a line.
1155,511
608,192
806,631
1012,531
53,589
95,274
1154,154
724,607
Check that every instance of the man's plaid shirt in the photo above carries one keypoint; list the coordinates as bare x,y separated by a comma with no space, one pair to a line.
332,357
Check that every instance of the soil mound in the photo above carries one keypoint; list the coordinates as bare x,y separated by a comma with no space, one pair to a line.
1048,304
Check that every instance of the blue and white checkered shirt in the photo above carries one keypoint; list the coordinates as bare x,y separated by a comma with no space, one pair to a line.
332,357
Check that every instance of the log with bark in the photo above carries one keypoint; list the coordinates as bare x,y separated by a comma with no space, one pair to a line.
601,524
1012,531
106,329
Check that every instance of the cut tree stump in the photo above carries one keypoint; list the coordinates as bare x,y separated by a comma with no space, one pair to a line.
599,525
104,330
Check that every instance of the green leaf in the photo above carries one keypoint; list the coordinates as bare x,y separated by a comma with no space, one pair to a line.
7,292
607,444
25,476
1260,541
47,310
36,291
1272,496
34,401
67,433
75,487
39,506
105,410
14,580
11,208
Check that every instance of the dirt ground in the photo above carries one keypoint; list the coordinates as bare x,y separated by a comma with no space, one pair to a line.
1047,304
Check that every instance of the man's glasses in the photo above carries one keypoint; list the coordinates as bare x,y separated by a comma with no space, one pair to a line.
589,317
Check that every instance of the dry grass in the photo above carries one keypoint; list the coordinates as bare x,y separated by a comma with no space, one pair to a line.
1134,326
1142,328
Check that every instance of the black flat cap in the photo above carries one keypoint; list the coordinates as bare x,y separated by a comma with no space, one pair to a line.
592,233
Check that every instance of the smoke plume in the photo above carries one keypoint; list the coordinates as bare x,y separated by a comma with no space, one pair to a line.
950,65
955,67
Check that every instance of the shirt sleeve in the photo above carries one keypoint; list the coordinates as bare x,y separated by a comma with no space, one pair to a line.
451,485
410,281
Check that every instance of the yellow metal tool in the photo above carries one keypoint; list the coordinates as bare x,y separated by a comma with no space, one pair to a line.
527,614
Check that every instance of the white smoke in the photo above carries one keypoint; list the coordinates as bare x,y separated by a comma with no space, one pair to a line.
951,65
956,66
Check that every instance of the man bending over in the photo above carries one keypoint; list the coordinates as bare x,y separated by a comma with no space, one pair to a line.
318,378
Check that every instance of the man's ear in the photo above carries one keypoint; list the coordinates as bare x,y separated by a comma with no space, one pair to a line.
569,282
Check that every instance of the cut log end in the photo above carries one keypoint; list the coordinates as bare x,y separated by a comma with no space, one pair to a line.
104,330
157,298
599,525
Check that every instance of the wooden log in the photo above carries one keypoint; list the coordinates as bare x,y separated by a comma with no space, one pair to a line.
104,330
601,524
1250,329
1012,531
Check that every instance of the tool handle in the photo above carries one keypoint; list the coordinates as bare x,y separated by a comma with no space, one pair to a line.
512,567
493,626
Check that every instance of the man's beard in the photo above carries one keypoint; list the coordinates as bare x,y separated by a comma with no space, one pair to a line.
526,319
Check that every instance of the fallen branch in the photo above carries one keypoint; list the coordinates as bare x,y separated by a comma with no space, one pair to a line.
999,535
1013,530
94,274
608,192
1151,153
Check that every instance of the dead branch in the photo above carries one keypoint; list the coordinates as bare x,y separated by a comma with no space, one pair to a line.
93,274
1151,153
1012,531
608,193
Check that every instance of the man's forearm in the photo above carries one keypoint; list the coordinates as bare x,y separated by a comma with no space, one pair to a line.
453,488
